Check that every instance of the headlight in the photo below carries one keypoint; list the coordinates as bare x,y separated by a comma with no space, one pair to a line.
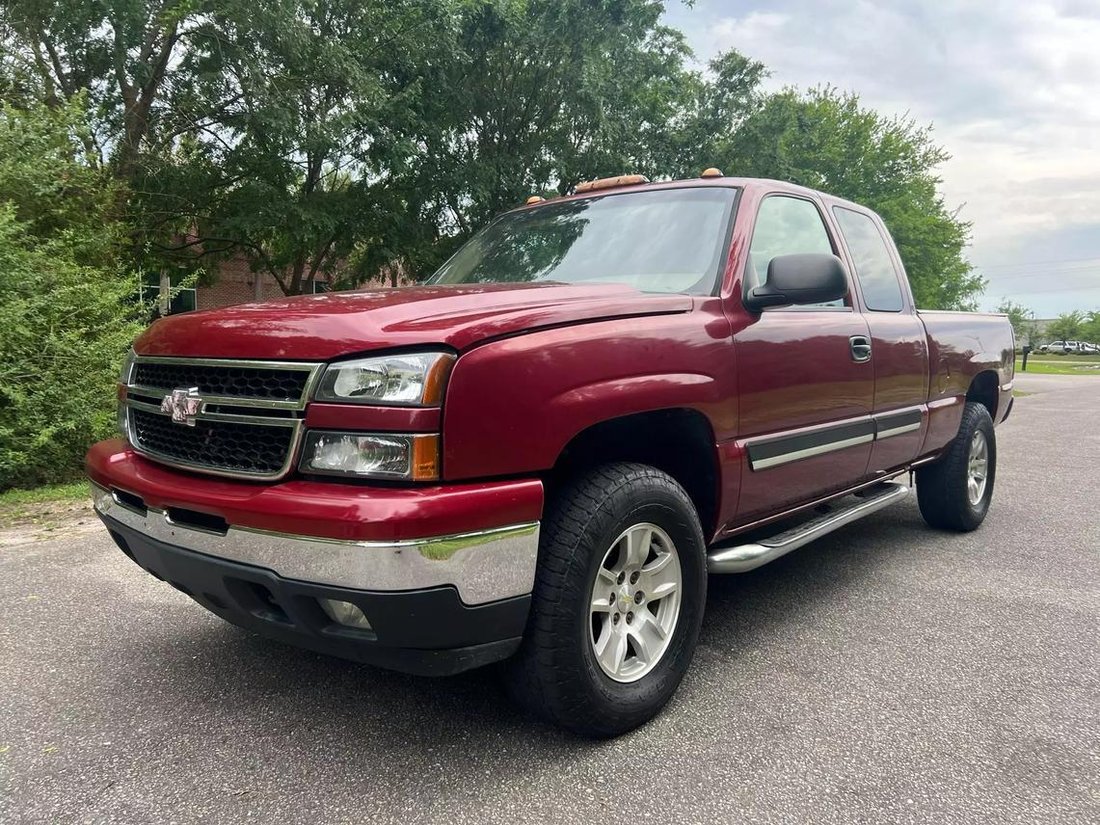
415,379
372,455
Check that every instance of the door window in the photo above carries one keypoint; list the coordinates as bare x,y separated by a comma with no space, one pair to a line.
878,280
785,226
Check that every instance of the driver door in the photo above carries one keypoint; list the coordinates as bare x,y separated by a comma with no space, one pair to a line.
805,389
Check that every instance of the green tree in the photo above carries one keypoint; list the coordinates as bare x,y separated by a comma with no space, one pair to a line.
118,55
1021,318
533,96
1067,327
1090,328
827,140
297,97
349,137
66,302
719,107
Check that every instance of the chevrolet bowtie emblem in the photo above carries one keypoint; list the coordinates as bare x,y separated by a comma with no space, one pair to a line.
183,405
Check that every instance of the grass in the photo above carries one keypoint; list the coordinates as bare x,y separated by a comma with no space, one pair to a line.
1053,356
51,493
1054,365
42,508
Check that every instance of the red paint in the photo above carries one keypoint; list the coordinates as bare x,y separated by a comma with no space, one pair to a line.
513,405
540,363
337,324
365,417
801,375
328,509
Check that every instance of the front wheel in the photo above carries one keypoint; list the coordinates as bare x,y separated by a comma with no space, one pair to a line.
617,603
954,493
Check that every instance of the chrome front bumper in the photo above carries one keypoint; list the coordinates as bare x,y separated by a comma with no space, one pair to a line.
484,566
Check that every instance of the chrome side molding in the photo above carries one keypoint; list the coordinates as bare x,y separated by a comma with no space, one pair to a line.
775,450
744,557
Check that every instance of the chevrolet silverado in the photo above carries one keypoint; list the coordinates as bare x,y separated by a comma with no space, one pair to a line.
537,457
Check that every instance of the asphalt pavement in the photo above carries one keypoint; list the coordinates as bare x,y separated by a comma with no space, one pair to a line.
887,673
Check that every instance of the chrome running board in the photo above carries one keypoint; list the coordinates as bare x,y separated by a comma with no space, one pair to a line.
742,557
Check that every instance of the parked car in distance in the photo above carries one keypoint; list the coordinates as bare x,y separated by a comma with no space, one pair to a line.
1059,347
539,455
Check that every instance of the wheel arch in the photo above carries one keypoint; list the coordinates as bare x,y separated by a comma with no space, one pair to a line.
677,440
984,389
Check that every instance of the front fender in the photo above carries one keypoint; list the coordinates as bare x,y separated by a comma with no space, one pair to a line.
513,405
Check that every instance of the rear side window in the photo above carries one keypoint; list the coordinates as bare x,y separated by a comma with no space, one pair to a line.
874,267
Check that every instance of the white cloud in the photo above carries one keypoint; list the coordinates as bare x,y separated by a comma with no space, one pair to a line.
1013,89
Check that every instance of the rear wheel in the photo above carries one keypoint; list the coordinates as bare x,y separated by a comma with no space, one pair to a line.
617,603
954,493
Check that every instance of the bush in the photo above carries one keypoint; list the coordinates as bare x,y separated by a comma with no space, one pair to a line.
66,305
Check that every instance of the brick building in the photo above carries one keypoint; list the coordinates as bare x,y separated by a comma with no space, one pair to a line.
234,283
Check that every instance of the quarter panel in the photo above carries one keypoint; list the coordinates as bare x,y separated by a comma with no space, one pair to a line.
961,345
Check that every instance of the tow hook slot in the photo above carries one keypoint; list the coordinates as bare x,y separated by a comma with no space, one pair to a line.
194,520
130,501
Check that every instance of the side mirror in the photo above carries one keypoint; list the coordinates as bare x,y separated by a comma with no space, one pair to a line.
812,278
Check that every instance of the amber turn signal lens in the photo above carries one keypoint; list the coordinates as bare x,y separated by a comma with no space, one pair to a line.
435,382
425,458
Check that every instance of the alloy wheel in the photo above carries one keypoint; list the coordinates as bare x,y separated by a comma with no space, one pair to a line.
977,468
635,602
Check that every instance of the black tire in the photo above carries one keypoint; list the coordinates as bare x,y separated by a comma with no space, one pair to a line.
942,490
555,674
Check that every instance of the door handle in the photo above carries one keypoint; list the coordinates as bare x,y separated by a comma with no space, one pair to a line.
861,347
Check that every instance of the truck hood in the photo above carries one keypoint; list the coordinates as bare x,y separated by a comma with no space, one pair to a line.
321,327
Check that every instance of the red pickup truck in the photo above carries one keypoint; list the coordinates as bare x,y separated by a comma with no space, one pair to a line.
539,455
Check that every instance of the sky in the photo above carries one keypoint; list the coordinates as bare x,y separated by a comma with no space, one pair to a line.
1011,87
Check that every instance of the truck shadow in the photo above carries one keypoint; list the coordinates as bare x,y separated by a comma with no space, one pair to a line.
743,608
261,690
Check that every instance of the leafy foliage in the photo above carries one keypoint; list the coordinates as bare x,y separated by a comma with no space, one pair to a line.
1067,327
1022,320
533,96
826,140
301,102
351,139
115,54
348,138
1090,327
66,303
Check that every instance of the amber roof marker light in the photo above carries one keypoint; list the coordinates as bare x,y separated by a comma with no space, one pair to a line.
711,172
608,183
534,199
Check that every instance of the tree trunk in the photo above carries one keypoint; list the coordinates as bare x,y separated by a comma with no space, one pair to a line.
164,296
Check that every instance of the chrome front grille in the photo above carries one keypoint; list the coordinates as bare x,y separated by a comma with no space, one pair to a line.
268,383
241,418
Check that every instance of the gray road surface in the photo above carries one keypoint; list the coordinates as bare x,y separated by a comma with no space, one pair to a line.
886,674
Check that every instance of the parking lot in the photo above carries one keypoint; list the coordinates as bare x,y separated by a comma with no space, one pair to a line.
886,673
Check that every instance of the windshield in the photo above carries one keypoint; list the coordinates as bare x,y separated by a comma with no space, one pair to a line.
668,240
